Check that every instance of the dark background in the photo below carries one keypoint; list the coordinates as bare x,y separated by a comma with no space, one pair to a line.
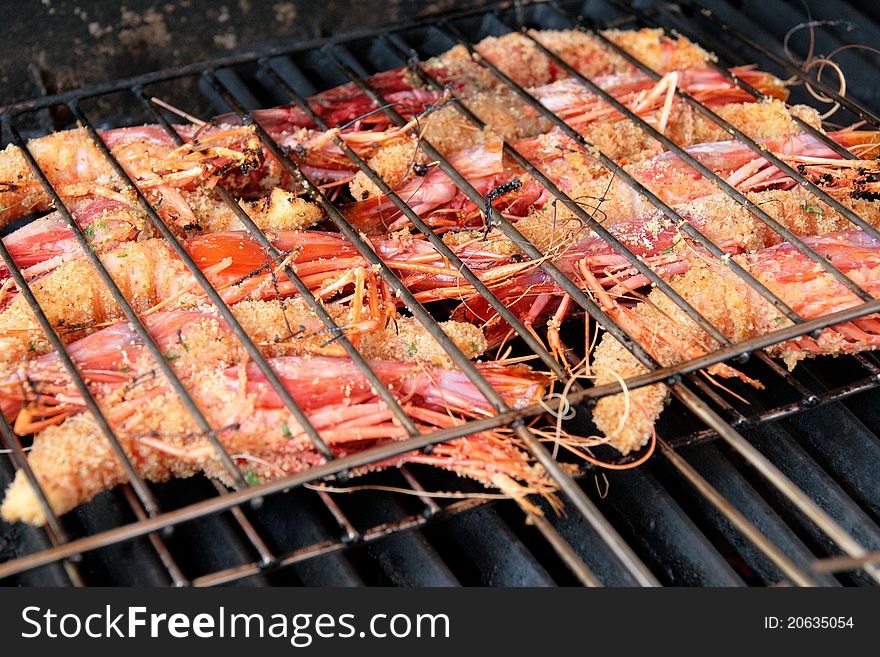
62,44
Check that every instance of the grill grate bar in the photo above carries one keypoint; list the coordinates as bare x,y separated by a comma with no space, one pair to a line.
431,507
177,577
742,524
565,482
843,564
248,529
350,535
329,547
564,549
783,411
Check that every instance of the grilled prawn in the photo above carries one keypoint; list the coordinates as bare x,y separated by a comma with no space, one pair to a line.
739,313
159,167
515,193
674,181
112,219
152,277
250,419
38,393
536,299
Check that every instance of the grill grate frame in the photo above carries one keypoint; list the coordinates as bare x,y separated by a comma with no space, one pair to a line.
152,522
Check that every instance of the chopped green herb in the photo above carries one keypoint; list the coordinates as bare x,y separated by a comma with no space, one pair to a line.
170,357
31,346
812,209
125,370
778,320
475,346
89,232
411,349
285,430
102,225
668,249
251,478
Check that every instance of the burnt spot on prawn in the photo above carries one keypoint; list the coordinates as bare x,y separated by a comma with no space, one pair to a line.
866,195
223,169
866,187
253,159
511,186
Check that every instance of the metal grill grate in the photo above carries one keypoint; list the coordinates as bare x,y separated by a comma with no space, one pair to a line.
763,504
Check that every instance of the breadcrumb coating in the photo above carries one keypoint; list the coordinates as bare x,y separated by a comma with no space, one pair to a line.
393,161
289,326
659,51
279,210
64,157
75,300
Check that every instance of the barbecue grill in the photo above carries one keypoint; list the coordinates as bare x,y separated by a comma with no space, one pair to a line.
778,488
